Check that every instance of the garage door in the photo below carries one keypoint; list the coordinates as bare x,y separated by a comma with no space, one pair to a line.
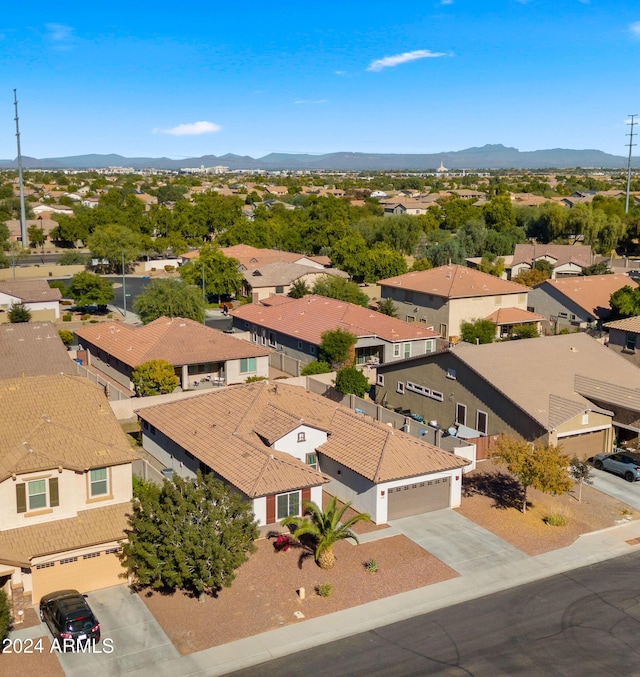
83,572
414,499
584,445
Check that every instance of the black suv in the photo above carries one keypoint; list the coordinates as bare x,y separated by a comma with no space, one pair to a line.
69,617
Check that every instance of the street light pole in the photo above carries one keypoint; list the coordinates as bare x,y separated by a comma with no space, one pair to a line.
124,289
204,298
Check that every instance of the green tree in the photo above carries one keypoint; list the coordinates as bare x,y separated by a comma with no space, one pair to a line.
36,236
580,471
326,528
421,264
492,264
499,213
524,331
66,336
387,307
335,287
19,313
190,534
5,616
625,302
72,258
597,269
478,331
315,367
338,347
221,273
155,377
350,380
298,289
169,297
543,467
111,242
89,289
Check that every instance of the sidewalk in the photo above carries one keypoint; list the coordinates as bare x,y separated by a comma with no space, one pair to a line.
481,581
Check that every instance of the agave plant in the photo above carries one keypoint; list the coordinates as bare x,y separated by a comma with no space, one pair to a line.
326,528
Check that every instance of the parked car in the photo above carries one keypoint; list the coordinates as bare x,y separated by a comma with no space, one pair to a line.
623,463
68,616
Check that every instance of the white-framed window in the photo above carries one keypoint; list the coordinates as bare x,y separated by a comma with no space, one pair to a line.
287,504
406,350
279,289
302,437
299,345
37,494
411,318
98,482
396,350
247,365
311,460
312,349
428,346
437,395
451,373
380,379
443,331
400,387
482,421
272,339
461,413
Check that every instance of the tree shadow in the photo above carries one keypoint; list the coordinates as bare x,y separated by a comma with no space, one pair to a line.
503,489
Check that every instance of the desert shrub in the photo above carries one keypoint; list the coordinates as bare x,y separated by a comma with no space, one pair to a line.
556,519
66,336
67,317
86,316
371,566
324,589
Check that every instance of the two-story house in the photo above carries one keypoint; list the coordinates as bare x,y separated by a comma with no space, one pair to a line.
624,338
567,260
445,297
65,487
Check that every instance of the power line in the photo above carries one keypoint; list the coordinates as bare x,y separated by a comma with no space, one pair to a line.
631,122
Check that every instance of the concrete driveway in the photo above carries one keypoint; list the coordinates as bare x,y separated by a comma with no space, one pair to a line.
458,542
137,639
617,487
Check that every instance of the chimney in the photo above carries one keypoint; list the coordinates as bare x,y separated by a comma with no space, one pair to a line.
255,297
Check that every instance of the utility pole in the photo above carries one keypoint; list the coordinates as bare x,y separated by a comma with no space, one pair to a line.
23,217
124,289
631,122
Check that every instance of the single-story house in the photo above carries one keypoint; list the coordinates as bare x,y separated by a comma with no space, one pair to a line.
568,260
65,487
540,389
195,351
278,444
295,327
276,278
42,301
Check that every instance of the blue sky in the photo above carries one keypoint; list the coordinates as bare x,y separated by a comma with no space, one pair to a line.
160,79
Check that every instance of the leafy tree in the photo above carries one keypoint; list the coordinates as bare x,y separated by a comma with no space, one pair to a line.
338,347
221,273
524,331
72,258
543,467
36,236
58,284
19,313
89,289
66,336
541,271
171,298
350,380
478,331
326,528
315,367
597,269
298,289
387,307
190,534
155,377
625,302
335,287
421,264
5,616
499,213
111,242
580,471
492,264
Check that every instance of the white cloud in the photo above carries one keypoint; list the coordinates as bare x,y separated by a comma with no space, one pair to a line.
190,129
390,61
309,101
446,2
59,32
634,28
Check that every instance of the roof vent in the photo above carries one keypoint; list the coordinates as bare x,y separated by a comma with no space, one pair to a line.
574,349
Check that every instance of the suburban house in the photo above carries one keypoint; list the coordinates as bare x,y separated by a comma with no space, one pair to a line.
295,327
567,259
32,349
65,487
577,301
42,301
196,351
565,389
445,297
251,258
624,338
277,278
279,444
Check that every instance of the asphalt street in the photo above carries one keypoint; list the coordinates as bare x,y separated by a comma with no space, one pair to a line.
585,623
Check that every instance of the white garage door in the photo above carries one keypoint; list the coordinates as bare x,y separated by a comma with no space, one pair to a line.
415,499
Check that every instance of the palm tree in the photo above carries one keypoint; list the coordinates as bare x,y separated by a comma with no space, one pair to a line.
326,528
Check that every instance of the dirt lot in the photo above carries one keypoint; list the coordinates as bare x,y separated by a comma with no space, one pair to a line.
491,498
264,594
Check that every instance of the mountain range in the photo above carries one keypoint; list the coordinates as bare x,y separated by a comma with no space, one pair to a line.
490,156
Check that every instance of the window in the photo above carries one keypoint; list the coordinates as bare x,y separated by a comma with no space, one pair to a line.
246,325
461,414
436,395
630,341
302,437
400,387
312,349
299,345
380,379
482,421
145,425
573,317
497,300
407,350
279,289
451,373
152,429
288,504
396,350
98,482
272,339
311,460
247,364
411,318
443,331
37,491
428,346
562,315
531,309
37,494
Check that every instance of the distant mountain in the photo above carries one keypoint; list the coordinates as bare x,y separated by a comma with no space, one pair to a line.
490,156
